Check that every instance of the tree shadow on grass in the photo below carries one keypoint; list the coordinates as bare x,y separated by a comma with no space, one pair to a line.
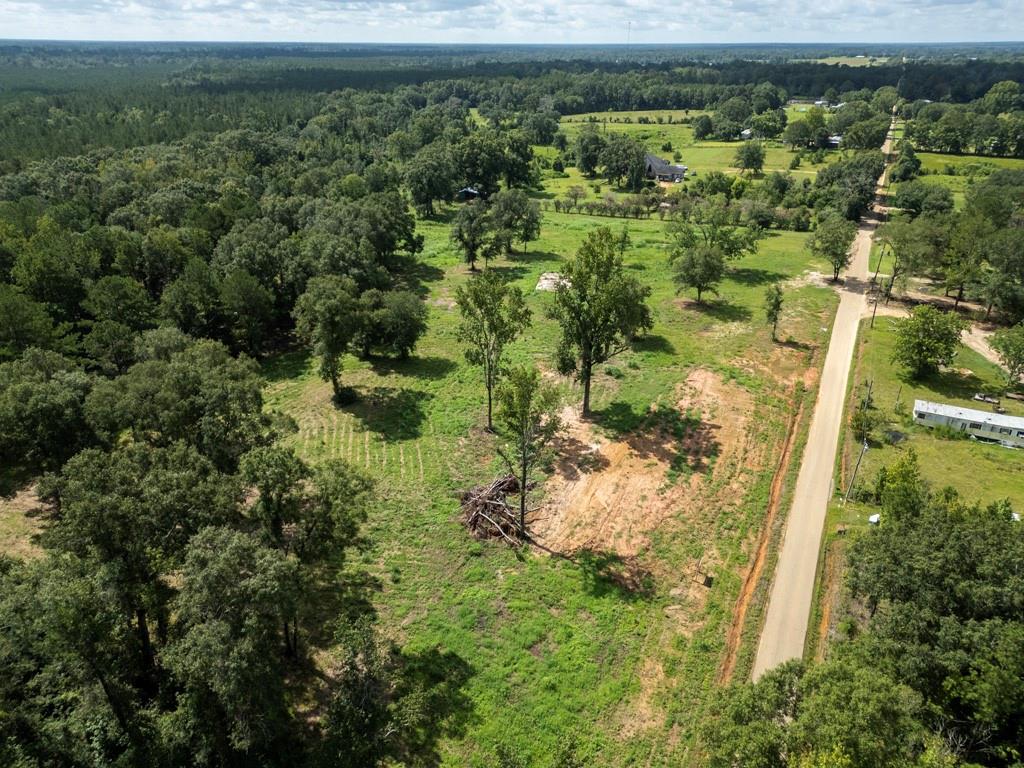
287,366
953,383
619,418
415,276
335,595
751,276
15,477
608,573
508,273
443,214
574,458
722,310
653,342
435,681
685,441
396,414
420,367
530,257
427,686
801,346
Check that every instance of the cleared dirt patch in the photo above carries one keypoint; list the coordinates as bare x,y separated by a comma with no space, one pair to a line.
19,523
608,495
811,277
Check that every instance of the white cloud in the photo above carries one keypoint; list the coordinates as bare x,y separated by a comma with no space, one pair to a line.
526,21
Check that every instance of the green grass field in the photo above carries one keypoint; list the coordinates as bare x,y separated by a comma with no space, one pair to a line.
548,646
977,470
955,171
700,156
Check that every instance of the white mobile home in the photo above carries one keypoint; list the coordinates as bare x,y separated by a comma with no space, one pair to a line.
984,425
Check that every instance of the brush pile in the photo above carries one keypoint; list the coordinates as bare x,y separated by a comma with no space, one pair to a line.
487,513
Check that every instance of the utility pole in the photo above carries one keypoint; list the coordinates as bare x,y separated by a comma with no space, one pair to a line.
864,446
849,488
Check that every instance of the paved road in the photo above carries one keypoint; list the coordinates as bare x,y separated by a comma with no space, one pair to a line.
789,606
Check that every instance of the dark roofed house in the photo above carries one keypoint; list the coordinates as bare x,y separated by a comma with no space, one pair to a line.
661,170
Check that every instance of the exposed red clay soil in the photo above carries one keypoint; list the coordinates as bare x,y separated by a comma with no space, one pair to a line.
753,574
610,495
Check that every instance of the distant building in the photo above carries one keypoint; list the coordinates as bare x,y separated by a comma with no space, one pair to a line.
662,170
983,425
467,193
834,141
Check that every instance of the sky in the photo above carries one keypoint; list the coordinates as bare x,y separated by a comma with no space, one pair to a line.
516,21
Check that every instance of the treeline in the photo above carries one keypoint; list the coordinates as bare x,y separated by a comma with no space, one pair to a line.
173,613
930,668
176,611
976,253
991,125
186,92
84,120
220,235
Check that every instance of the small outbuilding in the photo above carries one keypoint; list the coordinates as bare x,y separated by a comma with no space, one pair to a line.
981,425
466,194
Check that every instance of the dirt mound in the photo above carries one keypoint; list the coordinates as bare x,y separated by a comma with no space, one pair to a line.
609,495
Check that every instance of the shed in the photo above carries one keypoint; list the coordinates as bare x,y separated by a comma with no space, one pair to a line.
467,193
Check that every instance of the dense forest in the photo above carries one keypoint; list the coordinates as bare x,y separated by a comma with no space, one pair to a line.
161,233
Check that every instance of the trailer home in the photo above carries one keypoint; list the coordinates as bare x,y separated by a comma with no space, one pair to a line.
983,425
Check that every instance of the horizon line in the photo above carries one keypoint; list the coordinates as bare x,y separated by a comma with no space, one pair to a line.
196,41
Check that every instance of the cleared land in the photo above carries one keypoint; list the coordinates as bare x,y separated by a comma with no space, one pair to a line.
616,638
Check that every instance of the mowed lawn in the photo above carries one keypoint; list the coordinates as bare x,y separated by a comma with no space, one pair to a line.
979,471
541,648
